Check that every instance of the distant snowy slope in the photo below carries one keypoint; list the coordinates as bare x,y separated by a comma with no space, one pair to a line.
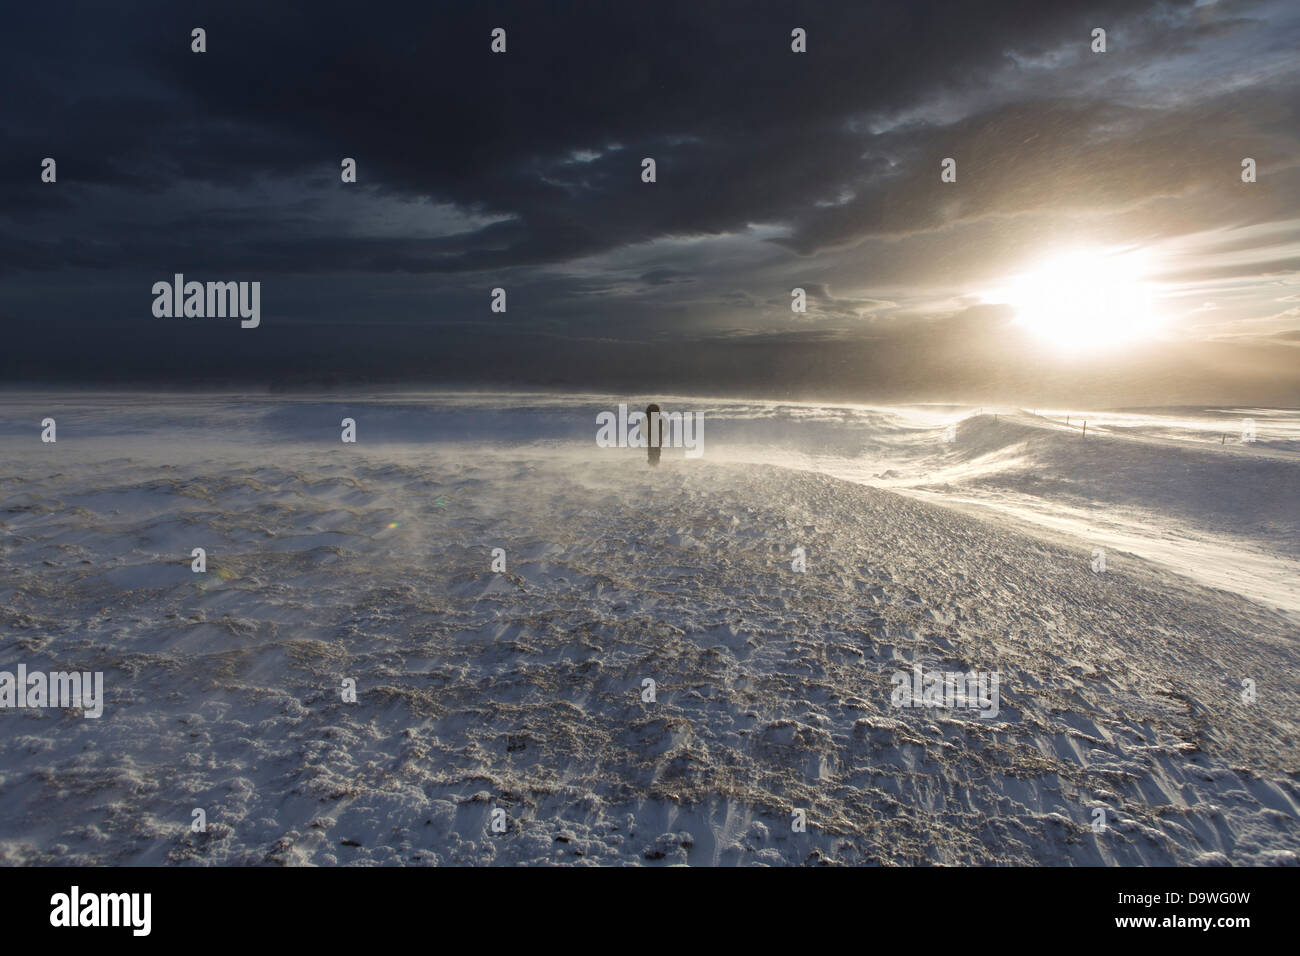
1225,515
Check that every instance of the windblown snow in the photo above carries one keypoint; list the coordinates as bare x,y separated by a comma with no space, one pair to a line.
1148,713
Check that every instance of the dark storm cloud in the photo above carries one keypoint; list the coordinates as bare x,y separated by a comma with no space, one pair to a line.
741,133
523,170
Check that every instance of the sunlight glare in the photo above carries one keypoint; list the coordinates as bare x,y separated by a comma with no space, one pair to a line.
1082,301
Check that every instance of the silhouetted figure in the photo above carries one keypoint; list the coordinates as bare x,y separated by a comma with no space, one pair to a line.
655,442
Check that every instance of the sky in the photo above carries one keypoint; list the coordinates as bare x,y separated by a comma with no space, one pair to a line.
1098,244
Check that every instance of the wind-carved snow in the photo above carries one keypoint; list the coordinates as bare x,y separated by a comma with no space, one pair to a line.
522,690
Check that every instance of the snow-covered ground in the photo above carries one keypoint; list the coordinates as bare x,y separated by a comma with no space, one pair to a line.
522,690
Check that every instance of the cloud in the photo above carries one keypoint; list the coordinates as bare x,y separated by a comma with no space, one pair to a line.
775,170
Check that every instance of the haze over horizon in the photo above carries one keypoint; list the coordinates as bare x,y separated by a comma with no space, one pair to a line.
776,171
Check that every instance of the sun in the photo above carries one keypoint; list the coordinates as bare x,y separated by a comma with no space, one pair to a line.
1083,300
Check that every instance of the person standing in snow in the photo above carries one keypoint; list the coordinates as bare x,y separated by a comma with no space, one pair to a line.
655,443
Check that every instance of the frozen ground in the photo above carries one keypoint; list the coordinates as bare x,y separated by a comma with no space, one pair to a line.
522,690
